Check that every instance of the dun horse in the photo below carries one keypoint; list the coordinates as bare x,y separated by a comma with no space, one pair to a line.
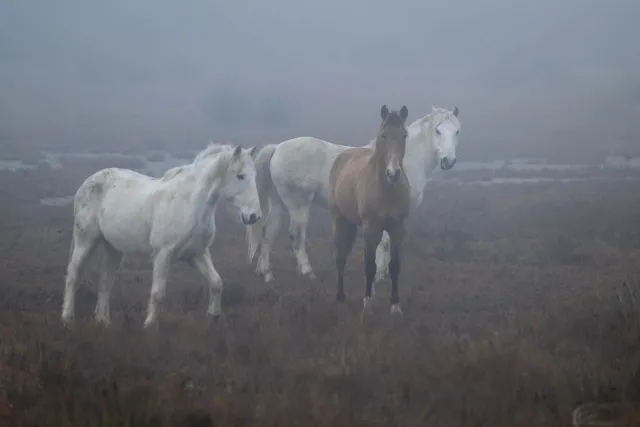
170,218
368,188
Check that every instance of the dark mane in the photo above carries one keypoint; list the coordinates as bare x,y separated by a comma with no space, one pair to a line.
393,120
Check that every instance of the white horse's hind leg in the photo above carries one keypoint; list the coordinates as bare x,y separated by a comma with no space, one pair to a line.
383,257
111,265
205,266
161,263
269,233
82,248
299,217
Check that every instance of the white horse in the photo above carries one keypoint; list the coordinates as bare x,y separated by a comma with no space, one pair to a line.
170,218
294,174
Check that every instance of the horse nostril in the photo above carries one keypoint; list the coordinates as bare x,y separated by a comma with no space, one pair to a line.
253,217
393,175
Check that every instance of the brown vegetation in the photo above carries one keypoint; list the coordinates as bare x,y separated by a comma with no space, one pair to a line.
520,303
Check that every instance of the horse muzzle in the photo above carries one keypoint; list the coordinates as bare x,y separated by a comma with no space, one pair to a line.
393,175
446,163
250,219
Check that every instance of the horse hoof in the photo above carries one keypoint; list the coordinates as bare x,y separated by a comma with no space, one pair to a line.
306,273
268,277
212,319
381,276
340,297
395,308
103,322
68,321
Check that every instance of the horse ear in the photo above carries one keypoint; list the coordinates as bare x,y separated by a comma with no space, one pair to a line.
252,151
404,112
237,151
455,110
384,112
433,108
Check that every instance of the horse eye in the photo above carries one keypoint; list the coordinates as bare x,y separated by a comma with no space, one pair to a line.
458,132
240,176
438,131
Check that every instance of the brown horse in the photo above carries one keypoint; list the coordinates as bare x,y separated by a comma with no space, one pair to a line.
368,188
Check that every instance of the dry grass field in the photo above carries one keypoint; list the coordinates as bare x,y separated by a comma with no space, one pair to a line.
520,302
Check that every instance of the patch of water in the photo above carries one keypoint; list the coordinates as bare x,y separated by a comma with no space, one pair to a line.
158,167
622,162
499,181
157,163
520,165
14,165
67,200
56,201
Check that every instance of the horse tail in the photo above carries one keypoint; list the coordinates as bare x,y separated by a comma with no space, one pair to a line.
264,185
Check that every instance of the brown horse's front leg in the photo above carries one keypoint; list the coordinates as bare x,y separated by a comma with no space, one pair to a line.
344,234
372,235
396,234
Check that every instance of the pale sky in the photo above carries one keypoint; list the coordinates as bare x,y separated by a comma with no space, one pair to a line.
550,76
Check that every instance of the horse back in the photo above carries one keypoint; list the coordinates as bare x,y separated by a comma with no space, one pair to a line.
104,181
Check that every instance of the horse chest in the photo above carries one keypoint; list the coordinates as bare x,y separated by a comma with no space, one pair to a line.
197,241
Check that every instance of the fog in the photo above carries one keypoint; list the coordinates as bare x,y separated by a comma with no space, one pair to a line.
546,78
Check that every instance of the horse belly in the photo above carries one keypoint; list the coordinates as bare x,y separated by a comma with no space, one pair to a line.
130,236
125,224
303,166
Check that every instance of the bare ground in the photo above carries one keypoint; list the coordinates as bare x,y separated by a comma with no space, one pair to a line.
520,302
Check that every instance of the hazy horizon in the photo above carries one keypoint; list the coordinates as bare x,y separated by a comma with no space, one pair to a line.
539,78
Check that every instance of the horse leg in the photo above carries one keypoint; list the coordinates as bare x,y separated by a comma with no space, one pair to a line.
372,235
396,234
299,218
269,234
205,266
161,263
83,245
382,259
111,265
344,234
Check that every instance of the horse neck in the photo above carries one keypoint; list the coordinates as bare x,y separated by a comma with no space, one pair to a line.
376,161
420,158
207,190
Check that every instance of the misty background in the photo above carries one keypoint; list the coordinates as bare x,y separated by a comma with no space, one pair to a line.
557,78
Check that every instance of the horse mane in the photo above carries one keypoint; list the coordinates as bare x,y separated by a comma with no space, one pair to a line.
209,152
436,117
172,173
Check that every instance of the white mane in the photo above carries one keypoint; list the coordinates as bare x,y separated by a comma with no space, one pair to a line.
435,118
207,153
211,150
